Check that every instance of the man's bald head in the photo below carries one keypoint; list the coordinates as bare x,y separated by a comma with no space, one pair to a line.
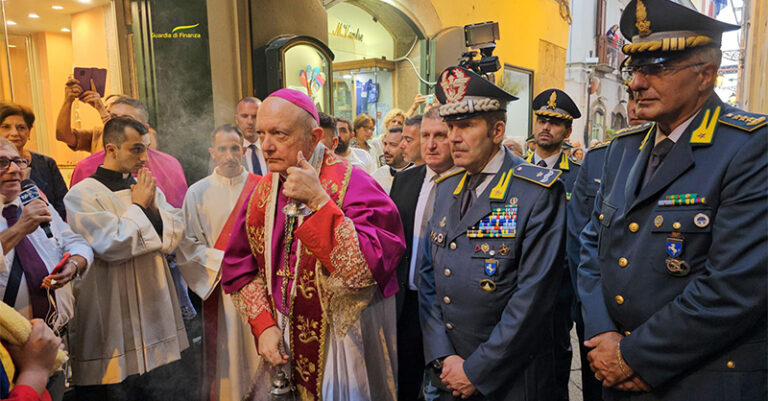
286,129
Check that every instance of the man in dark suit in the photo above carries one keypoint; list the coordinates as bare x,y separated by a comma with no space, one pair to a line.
496,256
413,191
673,266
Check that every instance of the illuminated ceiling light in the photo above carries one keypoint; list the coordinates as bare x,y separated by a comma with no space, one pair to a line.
65,30
9,22
11,46
57,7
84,1
33,15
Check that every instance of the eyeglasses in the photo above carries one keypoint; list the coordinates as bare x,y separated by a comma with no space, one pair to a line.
628,73
20,161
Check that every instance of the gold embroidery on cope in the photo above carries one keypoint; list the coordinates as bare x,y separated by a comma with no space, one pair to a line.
304,367
251,300
306,284
307,329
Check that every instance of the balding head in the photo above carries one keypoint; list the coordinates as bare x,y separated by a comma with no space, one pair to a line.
285,130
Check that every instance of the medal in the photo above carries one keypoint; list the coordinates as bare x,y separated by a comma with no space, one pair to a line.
678,267
504,250
701,220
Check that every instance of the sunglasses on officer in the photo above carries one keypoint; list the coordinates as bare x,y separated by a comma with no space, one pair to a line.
21,162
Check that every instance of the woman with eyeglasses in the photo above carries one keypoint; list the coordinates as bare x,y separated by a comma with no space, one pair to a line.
16,123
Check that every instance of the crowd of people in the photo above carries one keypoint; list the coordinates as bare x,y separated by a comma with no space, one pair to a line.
437,261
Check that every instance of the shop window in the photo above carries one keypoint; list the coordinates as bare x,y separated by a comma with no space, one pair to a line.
39,55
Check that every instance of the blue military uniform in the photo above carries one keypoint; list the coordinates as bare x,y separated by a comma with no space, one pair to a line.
570,168
489,298
674,256
679,265
490,275
579,209
555,107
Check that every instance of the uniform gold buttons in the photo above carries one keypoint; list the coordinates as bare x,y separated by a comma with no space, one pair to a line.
627,332
453,246
730,364
448,326
619,299
601,217
447,300
676,225
623,262
447,272
634,227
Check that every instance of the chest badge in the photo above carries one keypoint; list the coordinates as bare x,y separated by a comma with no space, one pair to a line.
658,221
490,267
487,285
504,250
701,220
674,247
675,265
442,222
485,247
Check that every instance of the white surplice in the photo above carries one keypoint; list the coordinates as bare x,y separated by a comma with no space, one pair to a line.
127,319
207,206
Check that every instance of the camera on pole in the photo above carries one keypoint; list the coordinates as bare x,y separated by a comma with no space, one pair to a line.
483,37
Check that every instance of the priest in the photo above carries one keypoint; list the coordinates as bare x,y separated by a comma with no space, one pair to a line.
231,362
127,327
317,289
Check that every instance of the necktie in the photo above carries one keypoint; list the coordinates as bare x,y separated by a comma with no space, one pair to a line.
392,171
255,159
658,154
542,163
33,267
468,196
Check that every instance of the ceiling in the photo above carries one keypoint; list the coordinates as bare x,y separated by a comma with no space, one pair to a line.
49,20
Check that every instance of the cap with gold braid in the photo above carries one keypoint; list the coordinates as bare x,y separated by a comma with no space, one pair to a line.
554,103
465,94
659,28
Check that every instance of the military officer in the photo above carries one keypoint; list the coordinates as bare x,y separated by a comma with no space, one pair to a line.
579,208
555,112
673,267
490,280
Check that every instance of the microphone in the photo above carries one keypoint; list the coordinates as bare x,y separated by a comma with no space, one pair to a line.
29,192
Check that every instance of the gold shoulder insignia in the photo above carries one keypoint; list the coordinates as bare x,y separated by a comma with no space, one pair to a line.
447,176
744,121
635,129
461,184
540,175
600,145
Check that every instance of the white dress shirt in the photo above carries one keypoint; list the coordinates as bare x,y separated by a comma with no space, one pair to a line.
50,250
551,161
421,216
259,155
490,170
676,133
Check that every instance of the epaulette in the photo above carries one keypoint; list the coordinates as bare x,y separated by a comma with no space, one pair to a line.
635,129
574,161
744,121
540,175
447,176
600,145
